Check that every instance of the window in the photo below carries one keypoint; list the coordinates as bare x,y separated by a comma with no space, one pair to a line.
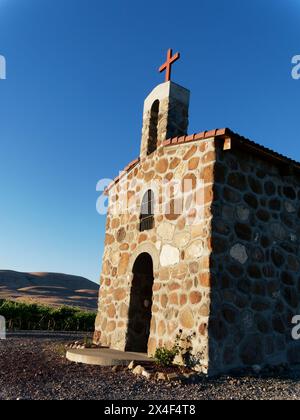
153,128
147,212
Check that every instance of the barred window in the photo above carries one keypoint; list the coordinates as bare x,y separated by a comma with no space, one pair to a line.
147,212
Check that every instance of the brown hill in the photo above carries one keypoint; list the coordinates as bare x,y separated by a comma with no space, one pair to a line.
49,289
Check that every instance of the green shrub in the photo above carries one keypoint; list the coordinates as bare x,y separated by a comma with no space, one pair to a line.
23,316
164,357
183,346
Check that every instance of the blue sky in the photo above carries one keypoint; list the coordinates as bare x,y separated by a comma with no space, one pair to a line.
78,72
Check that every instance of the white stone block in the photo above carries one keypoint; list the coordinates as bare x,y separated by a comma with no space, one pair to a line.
169,256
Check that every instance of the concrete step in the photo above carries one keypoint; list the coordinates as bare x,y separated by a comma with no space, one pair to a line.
105,357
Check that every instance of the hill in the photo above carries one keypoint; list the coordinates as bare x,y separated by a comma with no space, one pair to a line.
49,289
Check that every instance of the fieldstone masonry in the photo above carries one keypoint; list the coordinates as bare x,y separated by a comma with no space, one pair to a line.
255,283
229,274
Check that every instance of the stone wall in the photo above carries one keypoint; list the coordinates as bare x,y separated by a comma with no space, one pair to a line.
255,283
230,276
179,246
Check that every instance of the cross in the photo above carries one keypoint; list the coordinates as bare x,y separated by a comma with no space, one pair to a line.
168,64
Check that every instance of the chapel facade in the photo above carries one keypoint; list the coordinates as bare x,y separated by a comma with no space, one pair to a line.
203,237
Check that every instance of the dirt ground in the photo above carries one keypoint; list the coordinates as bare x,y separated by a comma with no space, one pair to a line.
34,368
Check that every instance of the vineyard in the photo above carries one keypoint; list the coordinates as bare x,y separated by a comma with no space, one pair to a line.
22,316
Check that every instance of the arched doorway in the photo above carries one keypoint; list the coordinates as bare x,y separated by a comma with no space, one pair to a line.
140,309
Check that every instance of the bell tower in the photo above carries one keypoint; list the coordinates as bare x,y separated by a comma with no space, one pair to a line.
166,111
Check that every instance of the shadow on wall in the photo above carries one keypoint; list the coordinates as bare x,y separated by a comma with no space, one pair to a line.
254,264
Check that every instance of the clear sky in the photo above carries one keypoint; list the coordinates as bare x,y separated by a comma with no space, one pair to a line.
78,72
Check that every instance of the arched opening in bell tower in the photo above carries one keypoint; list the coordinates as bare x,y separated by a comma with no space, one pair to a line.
153,128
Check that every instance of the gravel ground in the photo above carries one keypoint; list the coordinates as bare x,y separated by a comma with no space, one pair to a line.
35,368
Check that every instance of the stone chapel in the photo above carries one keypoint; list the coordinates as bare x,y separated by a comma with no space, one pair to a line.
223,265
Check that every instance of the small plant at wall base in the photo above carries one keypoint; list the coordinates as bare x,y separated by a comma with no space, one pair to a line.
182,350
88,343
165,357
